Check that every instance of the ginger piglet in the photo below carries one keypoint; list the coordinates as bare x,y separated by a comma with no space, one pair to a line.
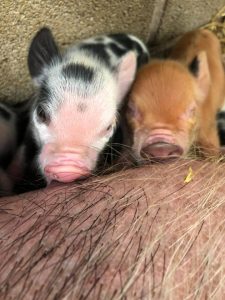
173,103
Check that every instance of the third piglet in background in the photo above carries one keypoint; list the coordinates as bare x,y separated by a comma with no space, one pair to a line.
174,102
13,122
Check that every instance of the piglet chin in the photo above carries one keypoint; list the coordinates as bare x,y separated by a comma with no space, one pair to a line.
65,173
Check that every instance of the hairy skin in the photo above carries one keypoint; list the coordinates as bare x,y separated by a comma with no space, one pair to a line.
138,234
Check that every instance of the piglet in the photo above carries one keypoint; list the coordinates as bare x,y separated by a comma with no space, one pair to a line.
78,96
173,103
13,122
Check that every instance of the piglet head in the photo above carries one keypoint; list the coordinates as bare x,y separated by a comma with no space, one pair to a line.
164,107
75,112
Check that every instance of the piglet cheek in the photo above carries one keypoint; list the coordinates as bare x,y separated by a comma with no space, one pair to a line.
139,139
186,134
184,140
45,154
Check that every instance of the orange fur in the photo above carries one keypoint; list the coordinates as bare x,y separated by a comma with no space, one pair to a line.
166,96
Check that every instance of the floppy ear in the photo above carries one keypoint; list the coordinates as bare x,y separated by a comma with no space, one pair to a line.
200,69
41,52
126,71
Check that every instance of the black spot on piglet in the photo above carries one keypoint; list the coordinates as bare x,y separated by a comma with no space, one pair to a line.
116,49
78,71
98,50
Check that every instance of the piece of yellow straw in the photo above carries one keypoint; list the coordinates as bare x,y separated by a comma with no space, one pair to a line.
189,176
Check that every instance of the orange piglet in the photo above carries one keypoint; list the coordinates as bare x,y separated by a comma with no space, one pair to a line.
173,103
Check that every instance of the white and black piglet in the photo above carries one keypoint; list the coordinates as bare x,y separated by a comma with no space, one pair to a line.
78,97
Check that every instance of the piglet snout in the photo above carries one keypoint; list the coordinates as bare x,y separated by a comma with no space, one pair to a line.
64,169
162,151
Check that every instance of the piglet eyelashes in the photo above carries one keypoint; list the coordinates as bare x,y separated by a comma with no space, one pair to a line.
42,115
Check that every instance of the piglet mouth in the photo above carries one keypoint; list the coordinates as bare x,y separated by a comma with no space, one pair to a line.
161,152
66,172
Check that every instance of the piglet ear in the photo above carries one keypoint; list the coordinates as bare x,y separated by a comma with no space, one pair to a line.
126,71
43,50
200,69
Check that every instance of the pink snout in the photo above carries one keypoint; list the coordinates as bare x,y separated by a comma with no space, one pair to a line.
65,170
162,151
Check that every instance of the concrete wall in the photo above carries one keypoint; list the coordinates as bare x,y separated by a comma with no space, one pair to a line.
72,20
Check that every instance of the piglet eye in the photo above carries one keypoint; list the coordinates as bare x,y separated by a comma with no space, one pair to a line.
109,128
133,111
191,112
42,115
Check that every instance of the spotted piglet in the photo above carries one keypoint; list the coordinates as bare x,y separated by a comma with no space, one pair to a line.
78,96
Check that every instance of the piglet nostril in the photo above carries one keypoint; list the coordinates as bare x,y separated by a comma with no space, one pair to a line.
177,152
161,151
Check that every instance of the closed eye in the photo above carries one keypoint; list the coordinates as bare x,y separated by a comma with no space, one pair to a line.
109,127
108,130
190,113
